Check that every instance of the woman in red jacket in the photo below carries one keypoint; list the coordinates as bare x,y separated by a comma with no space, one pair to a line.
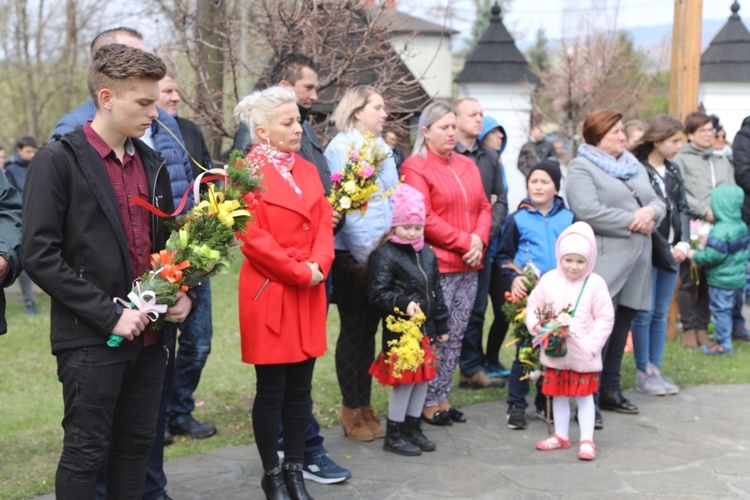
457,227
289,250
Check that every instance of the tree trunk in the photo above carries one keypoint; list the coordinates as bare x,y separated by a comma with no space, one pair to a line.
210,35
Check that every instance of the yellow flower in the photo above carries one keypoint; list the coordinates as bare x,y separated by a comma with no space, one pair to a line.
350,187
405,353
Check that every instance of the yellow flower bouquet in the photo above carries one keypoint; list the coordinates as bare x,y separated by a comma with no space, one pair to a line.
356,184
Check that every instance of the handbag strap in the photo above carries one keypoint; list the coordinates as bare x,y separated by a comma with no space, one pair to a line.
633,192
572,314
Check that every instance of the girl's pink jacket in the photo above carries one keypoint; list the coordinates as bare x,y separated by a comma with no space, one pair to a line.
594,318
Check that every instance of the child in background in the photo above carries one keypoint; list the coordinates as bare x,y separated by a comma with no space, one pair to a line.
724,260
528,238
403,273
574,287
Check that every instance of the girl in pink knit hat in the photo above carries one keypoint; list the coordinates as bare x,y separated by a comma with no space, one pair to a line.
574,299
403,274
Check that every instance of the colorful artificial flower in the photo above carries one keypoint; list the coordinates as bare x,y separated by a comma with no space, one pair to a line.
356,184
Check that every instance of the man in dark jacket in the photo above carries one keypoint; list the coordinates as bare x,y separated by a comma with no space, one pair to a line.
197,331
300,73
84,244
469,114
741,152
15,170
534,151
10,243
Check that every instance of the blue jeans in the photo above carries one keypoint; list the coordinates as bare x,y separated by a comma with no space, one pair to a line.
650,327
194,347
724,304
518,389
472,355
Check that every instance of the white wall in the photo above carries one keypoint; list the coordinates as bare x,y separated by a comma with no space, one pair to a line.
729,101
510,105
429,55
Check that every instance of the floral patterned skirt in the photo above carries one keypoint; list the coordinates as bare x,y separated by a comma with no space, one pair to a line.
383,371
569,383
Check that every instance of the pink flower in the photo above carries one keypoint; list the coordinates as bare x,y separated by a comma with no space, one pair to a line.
336,177
353,154
366,171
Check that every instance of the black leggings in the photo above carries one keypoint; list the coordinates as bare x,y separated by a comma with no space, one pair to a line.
355,351
286,385
615,348
498,286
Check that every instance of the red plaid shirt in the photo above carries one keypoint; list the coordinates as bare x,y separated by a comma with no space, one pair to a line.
128,180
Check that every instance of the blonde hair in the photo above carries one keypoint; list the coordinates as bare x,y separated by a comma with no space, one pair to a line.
432,113
258,108
354,100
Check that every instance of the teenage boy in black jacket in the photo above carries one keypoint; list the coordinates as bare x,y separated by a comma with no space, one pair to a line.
84,243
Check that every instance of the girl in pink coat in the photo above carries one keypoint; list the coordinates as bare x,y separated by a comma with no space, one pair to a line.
578,298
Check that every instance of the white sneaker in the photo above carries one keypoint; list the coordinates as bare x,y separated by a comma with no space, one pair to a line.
649,384
670,388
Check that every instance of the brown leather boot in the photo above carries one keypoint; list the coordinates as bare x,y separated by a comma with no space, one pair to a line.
690,338
372,422
353,425
703,338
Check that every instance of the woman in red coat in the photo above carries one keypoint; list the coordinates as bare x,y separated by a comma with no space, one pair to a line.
457,227
289,250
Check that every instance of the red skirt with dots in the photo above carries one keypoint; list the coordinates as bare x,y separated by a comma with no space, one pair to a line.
383,371
569,383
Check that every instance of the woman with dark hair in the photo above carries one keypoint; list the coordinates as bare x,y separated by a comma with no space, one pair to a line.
457,226
603,183
702,171
659,143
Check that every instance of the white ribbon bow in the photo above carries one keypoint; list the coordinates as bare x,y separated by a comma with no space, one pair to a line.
144,301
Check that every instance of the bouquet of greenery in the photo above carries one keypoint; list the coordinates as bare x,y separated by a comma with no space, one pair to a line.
554,329
515,313
201,243
356,184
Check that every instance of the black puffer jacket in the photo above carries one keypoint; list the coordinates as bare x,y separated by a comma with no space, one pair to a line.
398,275
741,152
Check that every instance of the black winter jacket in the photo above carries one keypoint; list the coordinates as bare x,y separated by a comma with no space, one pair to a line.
741,153
73,242
398,275
678,212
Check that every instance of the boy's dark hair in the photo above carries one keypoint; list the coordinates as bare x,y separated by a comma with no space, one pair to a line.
110,36
116,67
25,141
289,69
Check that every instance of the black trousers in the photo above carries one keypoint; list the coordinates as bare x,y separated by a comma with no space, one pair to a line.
614,349
287,386
355,350
108,393
498,286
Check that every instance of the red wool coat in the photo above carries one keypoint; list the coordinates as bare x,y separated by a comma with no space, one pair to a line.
282,319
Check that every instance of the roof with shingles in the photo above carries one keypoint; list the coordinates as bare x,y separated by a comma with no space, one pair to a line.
496,59
727,58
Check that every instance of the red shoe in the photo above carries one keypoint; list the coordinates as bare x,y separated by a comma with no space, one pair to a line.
586,450
553,443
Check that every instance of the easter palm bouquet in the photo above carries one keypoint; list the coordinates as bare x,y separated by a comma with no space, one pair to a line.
514,309
201,243
356,184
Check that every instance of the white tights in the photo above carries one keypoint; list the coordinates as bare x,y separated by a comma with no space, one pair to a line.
561,413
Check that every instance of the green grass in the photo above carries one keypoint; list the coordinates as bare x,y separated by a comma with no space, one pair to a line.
31,402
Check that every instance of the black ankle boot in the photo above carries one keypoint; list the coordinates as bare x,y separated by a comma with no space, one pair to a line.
295,483
415,435
397,442
273,485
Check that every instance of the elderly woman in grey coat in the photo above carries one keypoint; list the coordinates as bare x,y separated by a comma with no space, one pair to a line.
602,182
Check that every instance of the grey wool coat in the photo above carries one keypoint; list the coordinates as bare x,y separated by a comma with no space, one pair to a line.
606,203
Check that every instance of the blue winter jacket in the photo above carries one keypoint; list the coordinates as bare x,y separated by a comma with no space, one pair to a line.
177,162
361,233
530,237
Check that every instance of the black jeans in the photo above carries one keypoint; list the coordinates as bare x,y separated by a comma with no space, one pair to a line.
498,286
355,350
614,349
108,393
287,385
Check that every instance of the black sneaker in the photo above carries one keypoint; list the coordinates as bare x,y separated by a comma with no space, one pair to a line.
186,425
516,418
